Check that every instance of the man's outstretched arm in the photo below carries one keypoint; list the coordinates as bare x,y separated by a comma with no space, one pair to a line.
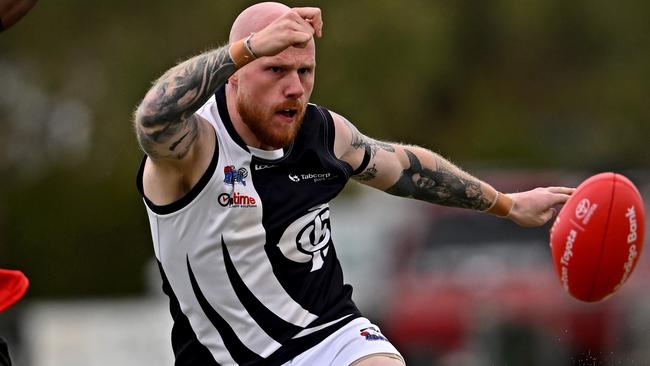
412,171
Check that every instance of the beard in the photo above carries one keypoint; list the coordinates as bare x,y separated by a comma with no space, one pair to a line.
267,131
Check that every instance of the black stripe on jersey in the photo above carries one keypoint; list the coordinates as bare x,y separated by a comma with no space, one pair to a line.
238,351
220,97
191,195
274,326
188,351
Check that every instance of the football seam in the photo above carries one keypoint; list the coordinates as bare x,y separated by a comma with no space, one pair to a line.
602,240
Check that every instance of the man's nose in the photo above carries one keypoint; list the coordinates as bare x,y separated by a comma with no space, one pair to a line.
293,88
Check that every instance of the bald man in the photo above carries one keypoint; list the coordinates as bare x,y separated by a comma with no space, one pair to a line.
238,173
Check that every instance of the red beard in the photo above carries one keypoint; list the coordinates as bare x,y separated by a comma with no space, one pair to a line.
267,131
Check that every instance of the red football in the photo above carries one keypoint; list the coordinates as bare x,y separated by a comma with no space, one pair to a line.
597,237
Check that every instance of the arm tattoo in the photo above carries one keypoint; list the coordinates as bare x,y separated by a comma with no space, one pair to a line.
359,141
441,186
165,121
368,174
176,150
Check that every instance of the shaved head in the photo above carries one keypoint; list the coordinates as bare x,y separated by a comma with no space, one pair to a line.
268,97
255,18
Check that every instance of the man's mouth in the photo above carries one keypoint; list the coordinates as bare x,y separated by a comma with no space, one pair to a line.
290,113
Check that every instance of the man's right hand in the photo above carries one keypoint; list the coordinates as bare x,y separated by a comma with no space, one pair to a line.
297,27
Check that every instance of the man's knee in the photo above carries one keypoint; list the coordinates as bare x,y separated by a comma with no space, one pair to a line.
379,360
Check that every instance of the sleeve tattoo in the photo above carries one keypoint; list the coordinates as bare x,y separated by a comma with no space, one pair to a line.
442,186
165,121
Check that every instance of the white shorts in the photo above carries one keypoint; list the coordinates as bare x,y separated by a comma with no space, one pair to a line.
354,341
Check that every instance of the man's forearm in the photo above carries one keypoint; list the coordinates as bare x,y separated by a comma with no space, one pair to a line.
165,116
431,178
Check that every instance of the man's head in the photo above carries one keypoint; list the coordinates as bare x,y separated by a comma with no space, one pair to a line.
271,93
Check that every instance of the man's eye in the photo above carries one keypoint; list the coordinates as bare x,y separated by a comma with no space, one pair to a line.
303,71
275,69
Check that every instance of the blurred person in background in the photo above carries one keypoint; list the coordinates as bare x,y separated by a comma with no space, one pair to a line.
238,173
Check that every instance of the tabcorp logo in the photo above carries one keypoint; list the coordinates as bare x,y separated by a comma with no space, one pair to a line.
314,177
233,175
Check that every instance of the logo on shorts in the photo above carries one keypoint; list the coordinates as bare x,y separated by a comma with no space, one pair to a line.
233,175
372,334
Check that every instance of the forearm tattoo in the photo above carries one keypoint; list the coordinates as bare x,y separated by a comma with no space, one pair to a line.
165,121
442,186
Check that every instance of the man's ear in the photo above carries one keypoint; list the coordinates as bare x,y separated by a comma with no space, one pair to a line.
233,79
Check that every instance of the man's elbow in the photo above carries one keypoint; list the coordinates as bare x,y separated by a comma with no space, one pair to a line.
145,115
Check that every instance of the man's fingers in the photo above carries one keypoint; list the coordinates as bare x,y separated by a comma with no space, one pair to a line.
313,17
563,190
548,214
301,39
560,194
559,198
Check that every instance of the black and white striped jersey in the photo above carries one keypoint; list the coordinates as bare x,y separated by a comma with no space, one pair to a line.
246,256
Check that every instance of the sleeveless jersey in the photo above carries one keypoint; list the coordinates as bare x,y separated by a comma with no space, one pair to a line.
246,257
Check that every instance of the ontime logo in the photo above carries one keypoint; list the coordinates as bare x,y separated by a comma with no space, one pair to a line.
236,200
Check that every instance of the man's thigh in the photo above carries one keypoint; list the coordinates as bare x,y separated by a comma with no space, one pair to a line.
379,360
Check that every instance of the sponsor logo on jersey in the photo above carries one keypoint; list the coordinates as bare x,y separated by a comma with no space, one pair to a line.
313,177
237,200
372,334
264,166
307,239
233,175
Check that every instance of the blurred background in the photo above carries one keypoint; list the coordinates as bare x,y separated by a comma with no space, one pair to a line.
520,93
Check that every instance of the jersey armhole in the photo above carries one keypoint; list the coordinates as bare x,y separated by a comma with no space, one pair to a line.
187,198
330,135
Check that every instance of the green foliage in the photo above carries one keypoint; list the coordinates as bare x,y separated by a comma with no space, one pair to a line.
532,83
